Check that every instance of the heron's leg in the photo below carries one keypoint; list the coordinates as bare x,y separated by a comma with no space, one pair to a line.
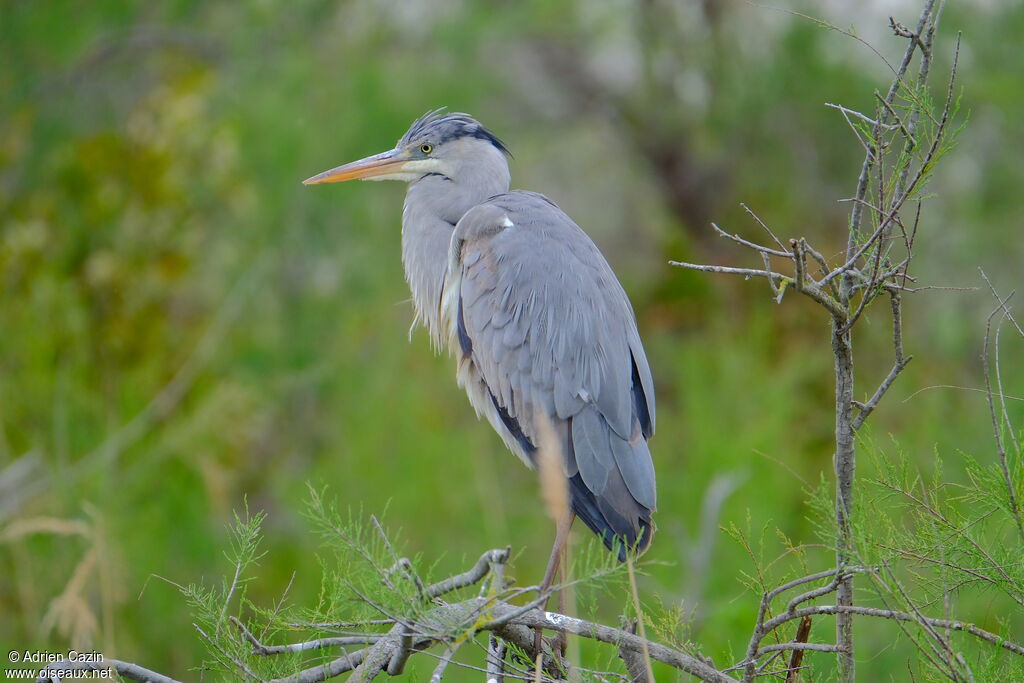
561,534
554,562
563,597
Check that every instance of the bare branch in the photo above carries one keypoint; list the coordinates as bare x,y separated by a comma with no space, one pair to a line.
799,647
321,672
607,634
127,670
317,644
789,585
446,659
852,112
396,665
894,615
750,662
748,272
468,578
809,287
830,587
897,368
1002,302
822,263
760,629
764,226
752,245
856,133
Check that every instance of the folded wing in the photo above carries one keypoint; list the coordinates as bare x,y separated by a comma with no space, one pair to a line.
544,332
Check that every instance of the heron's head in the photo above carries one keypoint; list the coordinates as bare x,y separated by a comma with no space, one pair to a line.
450,145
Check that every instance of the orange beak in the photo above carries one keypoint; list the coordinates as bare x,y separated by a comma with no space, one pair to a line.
383,164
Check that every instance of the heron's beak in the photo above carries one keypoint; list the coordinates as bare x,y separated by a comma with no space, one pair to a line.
378,167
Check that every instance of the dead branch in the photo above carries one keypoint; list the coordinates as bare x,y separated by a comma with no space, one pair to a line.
457,622
445,660
895,615
321,672
259,648
803,634
866,270
127,670
468,578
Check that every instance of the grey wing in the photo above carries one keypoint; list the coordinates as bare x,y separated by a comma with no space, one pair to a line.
545,331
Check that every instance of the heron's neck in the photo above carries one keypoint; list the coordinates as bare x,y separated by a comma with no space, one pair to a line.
433,205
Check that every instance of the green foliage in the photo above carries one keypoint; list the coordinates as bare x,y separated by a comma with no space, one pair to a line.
936,547
210,605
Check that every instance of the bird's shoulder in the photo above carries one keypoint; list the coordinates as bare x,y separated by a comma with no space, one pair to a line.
528,210
519,200
516,217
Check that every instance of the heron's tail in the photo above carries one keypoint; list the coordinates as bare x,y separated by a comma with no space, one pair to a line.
612,482
618,533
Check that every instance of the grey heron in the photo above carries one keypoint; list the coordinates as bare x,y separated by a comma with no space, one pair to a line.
541,329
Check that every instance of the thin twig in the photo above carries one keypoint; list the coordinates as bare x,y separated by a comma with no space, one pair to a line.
799,647
231,592
894,615
862,117
809,287
899,122
856,133
1009,315
822,263
752,245
750,662
764,226
317,644
279,605
748,272
867,408
446,659
789,585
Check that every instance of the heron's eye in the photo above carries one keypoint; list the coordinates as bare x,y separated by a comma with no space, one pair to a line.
426,149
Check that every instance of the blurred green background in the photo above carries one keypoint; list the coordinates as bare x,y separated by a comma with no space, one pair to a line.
182,324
